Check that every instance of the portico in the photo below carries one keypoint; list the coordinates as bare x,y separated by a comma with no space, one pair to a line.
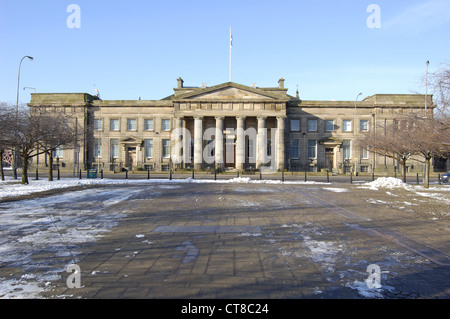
231,126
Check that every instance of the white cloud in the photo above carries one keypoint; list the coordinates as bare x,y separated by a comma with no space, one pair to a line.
420,18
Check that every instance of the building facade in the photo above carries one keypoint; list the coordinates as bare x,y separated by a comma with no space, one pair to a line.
229,127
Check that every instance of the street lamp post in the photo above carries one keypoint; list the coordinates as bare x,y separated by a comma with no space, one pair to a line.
426,90
354,129
18,80
17,111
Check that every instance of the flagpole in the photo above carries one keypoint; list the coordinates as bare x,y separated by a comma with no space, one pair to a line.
231,46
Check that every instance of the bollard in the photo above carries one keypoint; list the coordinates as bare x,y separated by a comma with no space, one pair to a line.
328,176
237,174
80,173
148,173
439,179
101,174
351,178
306,177
15,173
170,174
260,173
37,174
282,175
126,174
373,176
58,174
193,176
417,178
215,174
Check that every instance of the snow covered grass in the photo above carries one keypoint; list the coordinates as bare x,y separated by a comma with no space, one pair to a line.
11,188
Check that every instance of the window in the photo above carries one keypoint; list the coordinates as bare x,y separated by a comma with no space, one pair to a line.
347,149
114,125
269,148
295,125
312,125
58,152
131,125
97,125
329,125
114,148
347,125
294,149
364,153
165,125
148,125
312,149
166,148
97,148
148,148
210,151
251,150
364,126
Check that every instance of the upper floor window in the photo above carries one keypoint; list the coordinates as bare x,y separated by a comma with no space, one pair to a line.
148,125
295,125
312,125
114,125
329,125
364,125
131,125
347,126
165,125
97,124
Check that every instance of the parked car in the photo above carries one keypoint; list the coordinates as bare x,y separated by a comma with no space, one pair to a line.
445,178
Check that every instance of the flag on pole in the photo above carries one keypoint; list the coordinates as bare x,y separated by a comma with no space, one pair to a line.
231,39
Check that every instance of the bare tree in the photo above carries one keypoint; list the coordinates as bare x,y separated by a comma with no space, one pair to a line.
391,140
431,138
440,83
57,130
6,123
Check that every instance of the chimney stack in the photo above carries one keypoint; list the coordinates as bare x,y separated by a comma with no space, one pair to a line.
180,83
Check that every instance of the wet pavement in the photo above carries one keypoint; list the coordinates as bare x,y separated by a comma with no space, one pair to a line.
227,240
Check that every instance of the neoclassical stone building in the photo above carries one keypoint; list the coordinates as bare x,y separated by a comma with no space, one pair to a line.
227,126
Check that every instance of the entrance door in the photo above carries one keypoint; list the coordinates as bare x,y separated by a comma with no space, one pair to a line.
230,153
329,158
131,157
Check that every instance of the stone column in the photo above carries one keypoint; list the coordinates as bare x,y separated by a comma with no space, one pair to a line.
240,142
262,142
280,147
198,142
219,142
178,143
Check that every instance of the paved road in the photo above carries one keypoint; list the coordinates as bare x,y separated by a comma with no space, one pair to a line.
217,241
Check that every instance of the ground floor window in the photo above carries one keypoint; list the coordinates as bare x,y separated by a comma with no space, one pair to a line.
166,148
312,149
148,148
294,149
347,149
114,148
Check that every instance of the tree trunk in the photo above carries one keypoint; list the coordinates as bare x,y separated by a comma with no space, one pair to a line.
403,163
426,178
50,165
24,168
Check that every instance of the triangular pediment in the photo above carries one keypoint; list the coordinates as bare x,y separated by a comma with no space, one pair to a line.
229,91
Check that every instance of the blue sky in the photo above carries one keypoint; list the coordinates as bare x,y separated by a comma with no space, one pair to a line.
135,48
